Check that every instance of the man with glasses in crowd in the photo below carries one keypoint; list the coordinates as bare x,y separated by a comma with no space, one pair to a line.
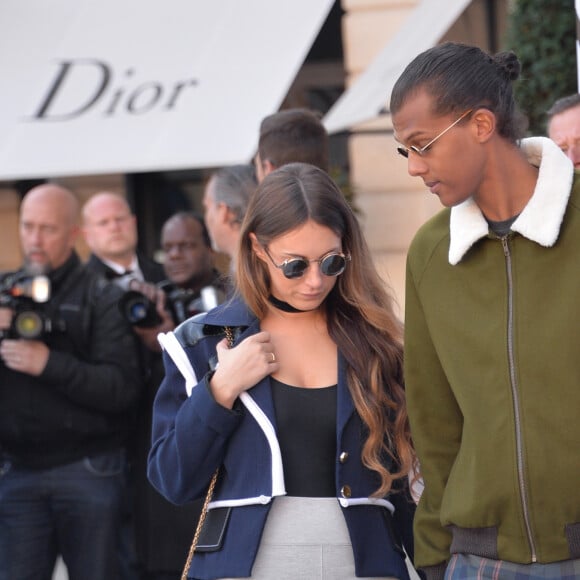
564,126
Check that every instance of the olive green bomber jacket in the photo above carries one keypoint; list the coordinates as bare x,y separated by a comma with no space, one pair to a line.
492,371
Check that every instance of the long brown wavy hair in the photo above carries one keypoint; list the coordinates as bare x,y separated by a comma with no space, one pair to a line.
359,310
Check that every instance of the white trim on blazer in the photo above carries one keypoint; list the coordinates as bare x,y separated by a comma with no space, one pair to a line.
175,350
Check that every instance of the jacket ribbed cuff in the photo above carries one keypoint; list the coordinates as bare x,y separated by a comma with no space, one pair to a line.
434,572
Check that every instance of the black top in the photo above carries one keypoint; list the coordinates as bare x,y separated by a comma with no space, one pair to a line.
306,419
501,228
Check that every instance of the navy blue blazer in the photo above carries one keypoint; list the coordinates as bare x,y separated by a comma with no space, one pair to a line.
193,435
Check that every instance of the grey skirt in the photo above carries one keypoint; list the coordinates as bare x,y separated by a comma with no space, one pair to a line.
305,539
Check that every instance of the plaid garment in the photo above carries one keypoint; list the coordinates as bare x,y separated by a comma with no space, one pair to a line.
468,567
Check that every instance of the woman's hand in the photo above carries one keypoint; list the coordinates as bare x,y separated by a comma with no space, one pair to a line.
241,367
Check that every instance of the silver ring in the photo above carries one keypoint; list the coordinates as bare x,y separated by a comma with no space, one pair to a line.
273,357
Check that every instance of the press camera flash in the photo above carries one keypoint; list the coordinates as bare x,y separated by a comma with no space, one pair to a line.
40,289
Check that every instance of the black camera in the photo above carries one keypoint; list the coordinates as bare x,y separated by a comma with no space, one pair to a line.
25,295
181,303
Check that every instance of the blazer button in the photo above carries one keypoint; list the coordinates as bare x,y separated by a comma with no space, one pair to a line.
345,491
343,457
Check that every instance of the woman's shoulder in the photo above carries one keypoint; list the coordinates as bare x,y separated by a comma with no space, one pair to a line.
233,313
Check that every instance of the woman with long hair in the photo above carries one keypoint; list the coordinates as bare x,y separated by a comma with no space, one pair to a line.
304,414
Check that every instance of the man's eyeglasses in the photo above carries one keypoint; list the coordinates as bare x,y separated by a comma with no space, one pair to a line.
404,151
333,264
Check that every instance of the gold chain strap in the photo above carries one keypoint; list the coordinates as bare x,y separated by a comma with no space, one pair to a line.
199,526
230,336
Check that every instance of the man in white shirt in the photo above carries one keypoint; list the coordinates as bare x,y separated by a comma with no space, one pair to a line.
110,231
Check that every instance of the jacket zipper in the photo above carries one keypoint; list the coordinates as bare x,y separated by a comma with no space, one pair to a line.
515,396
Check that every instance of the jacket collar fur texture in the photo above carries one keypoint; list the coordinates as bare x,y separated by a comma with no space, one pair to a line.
540,220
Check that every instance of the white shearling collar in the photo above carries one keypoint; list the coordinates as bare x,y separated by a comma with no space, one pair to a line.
540,220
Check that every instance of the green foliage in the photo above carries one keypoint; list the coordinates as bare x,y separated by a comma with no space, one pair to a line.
543,35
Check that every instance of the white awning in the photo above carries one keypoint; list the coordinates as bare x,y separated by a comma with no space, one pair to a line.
114,86
371,92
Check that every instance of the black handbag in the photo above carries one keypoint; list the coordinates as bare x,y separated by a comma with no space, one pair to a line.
212,533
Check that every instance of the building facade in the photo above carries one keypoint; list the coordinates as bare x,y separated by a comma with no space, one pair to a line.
390,204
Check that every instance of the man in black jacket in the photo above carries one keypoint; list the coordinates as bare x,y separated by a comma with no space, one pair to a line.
64,401
110,231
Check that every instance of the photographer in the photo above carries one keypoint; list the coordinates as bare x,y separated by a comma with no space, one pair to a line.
158,531
193,285
110,232
64,401
163,530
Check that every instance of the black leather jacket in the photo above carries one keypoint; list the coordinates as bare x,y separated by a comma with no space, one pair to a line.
82,402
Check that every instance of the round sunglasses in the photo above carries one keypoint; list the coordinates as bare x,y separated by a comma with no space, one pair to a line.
333,264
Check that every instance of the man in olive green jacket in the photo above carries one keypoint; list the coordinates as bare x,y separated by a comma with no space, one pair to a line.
492,329
493,373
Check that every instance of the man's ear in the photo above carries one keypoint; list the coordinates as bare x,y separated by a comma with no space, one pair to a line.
484,123
268,167
223,213
75,233
232,219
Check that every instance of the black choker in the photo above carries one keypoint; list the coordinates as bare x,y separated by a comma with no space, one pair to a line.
283,305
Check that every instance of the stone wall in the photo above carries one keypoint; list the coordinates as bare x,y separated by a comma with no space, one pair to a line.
393,205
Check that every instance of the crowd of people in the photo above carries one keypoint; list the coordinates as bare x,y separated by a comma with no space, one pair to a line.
279,408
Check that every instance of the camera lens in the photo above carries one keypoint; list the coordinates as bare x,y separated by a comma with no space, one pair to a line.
28,324
138,310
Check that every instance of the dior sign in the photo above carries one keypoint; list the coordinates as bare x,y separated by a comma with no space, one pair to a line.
83,85
113,87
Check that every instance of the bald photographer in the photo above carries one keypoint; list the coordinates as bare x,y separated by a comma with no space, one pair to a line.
68,381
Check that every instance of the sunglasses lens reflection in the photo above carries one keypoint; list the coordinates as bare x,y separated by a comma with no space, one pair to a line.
295,268
333,265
